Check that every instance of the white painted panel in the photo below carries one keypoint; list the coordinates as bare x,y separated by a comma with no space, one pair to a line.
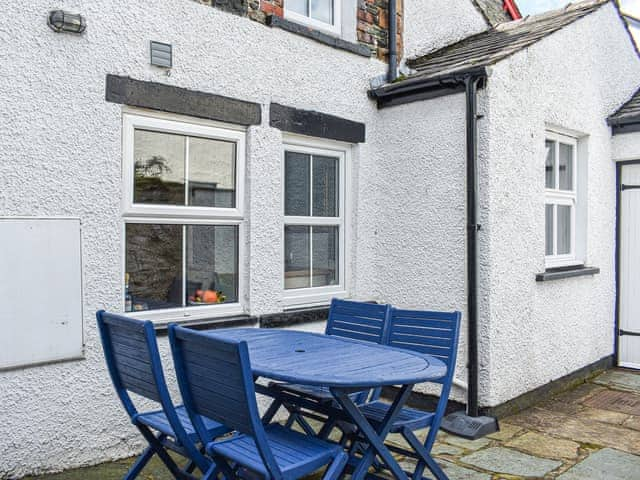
40,291
629,346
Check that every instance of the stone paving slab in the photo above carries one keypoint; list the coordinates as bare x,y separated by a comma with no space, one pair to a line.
465,443
456,472
578,430
545,446
621,379
512,462
506,432
606,464
616,401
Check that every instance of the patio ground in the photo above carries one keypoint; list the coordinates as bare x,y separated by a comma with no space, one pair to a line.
591,432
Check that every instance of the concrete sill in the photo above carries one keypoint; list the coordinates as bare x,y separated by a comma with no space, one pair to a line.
211,323
296,316
318,36
566,272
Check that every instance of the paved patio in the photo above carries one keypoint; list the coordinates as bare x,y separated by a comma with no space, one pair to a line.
591,432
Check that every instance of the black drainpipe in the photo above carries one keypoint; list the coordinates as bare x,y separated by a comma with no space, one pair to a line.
471,88
393,41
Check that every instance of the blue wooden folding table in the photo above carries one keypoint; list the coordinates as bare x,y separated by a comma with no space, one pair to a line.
310,359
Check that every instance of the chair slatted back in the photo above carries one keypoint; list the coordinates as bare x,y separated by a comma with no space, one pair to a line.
128,356
215,378
433,333
131,352
358,320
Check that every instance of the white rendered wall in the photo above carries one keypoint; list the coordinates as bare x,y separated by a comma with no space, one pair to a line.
537,332
61,156
432,24
420,217
626,146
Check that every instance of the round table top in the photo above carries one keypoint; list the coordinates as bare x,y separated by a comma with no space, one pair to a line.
324,360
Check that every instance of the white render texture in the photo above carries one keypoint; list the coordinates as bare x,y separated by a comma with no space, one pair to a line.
533,333
61,156
433,24
626,146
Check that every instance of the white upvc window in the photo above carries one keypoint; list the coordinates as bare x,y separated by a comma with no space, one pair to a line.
315,204
183,211
319,14
561,200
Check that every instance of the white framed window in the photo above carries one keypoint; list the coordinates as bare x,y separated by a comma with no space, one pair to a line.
183,211
319,14
315,226
561,200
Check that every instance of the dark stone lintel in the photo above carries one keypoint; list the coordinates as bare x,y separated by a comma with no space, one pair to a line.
315,124
168,98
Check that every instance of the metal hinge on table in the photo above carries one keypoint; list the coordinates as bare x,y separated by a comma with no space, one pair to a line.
629,187
631,334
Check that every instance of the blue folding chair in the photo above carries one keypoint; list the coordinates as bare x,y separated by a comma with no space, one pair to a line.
131,351
363,321
436,334
216,382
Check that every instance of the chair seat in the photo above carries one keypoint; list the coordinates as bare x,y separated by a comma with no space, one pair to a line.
158,421
407,418
296,454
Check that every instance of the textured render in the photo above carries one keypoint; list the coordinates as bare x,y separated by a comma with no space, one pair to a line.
536,332
61,145
420,228
626,146
442,22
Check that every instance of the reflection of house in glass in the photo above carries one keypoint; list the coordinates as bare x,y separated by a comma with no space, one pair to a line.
208,193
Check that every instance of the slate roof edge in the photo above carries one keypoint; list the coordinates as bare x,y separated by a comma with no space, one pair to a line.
598,4
483,13
445,82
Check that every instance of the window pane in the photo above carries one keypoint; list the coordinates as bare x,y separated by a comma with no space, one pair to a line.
212,173
325,186
325,256
565,167
298,6
297,263
548,229
564,229
322,10
153,260
158,168
549,167
297,184
212,264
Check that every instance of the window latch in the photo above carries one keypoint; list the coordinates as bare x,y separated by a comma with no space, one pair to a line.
631,334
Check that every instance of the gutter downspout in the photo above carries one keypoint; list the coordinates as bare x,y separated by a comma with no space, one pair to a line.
471,89
393,41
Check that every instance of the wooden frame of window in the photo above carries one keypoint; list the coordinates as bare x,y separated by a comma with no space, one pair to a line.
557,198
184,215
333,28
320,295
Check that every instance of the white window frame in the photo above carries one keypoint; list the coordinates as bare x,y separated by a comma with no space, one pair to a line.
334,28
555,197
311,296
183,215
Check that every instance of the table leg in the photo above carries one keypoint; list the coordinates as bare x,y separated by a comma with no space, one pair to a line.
375,437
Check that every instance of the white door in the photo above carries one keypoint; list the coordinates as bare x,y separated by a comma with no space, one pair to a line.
629,340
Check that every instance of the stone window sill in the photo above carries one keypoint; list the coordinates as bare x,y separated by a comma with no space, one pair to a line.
566,272
317,35
296,316
211,323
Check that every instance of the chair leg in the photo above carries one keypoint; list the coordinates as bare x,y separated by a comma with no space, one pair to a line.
156,444
140,463
271,411
424,458
336,467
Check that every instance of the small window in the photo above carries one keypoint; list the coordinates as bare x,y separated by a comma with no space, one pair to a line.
182,213
561,200
320,14
314,233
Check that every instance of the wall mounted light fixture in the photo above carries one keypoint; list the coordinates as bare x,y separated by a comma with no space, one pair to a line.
61,21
